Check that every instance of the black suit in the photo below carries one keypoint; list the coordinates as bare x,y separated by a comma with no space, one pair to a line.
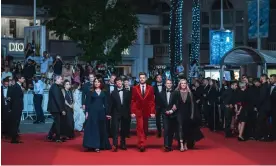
108,94
129,120
169,121
120,112
158,106
17,106
5,110
56,104
263,111
227,100
273,111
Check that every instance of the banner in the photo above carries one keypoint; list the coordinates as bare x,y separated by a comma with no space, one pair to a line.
221,41
36,36
253,18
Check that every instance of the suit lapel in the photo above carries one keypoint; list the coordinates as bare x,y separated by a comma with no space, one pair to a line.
147,91
139,91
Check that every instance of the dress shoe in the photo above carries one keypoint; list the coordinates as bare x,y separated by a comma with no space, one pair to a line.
167,149
142,149
16,142
114,148
241,139
123,147
49,138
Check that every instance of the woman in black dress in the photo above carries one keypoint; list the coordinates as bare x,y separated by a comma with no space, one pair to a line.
183,101
67,122
241,108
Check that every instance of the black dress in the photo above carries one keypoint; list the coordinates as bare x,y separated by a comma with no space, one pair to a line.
242,98
67,121
188,129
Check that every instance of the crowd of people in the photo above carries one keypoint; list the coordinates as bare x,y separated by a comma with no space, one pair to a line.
80,100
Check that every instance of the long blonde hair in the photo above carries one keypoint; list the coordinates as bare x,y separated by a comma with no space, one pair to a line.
178,88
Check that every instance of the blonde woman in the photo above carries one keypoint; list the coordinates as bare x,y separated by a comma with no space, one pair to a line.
183,101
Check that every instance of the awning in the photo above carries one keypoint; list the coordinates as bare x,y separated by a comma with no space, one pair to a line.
246,55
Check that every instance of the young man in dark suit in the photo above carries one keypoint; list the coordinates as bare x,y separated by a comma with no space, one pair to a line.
128,88
158,89
169,116
120,100
273,104
56,106
5,106
110,87
17,106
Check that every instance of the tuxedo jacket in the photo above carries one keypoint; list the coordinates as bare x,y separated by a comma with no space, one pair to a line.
157,94
118,108
3,102
264,103
56,102
142,106
17,98
166,106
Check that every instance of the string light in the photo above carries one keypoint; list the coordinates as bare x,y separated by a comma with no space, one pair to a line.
195,48
176,34
221,42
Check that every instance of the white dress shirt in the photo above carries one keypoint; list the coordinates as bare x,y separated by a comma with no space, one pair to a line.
159,86
143,86
111,88
121,95
168,96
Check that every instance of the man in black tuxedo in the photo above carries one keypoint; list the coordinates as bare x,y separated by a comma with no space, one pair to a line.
228,102
56,106
110,87
263,109
204,91
119,110
158,88
128,88
273,104
17,106
5,106
86,89
169,116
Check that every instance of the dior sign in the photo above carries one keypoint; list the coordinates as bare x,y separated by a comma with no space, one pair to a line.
16,47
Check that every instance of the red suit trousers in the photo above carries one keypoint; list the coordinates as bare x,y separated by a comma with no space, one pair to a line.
142,130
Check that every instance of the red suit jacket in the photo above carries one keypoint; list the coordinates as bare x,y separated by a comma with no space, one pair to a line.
142,106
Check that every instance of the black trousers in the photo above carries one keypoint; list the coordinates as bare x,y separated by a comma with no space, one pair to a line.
213,116
5,115
15,119
228,114
38,107
251,123
158,119
108,127
262,125
273,124
55,129
117,123
67,123
169,129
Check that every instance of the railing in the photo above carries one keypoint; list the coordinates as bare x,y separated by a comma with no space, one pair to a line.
271,46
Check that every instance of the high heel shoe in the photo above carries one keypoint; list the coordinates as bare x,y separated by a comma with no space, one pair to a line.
182,149
97,150
241,139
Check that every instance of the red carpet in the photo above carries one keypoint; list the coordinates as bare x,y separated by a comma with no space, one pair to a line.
213,150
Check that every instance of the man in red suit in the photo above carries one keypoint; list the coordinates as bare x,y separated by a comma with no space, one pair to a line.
142,107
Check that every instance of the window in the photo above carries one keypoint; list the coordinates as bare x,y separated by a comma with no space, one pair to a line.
215,17
155,36
205,18
239,17
239,34
228,17
165,36
205,35
272,33
272,15
166,19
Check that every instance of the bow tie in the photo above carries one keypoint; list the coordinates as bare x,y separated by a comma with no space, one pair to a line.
5,87
169,90
127,88
121,90
159,84
111,84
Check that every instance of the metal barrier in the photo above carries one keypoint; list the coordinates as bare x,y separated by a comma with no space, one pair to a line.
29,111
